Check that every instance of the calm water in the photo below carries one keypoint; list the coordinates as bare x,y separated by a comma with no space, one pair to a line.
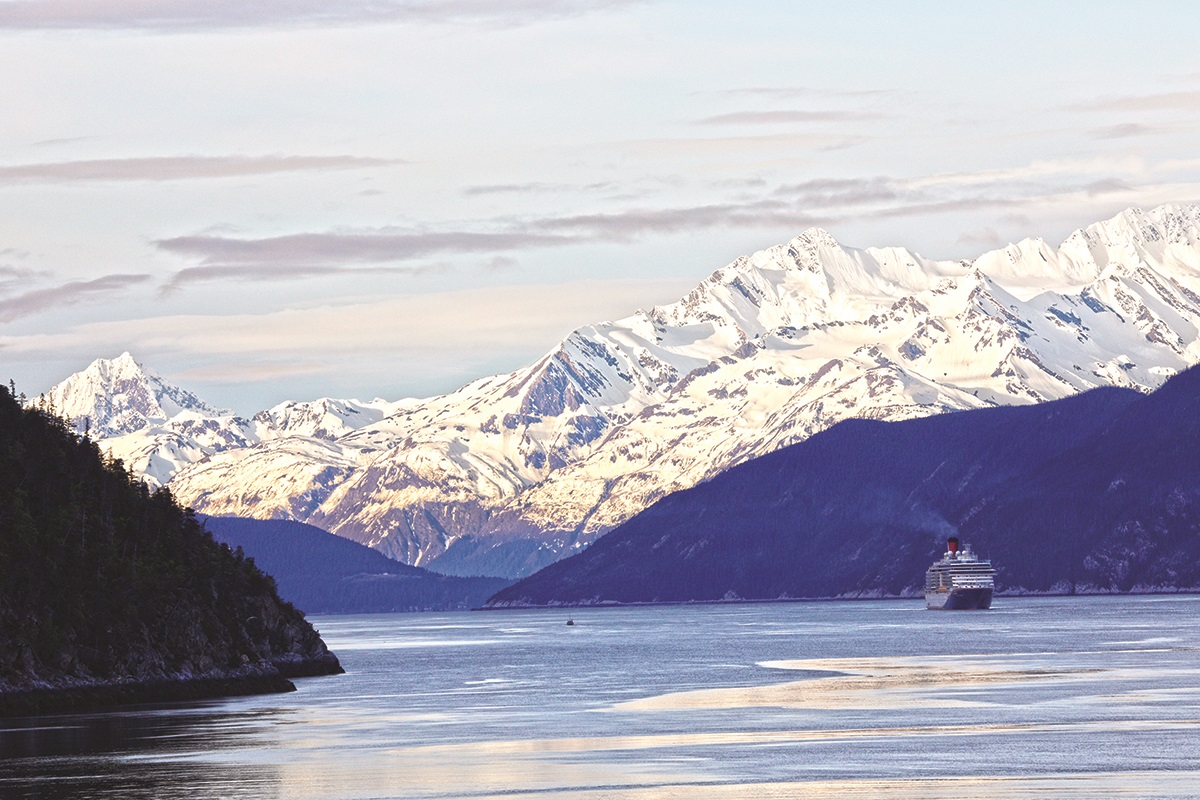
1037,698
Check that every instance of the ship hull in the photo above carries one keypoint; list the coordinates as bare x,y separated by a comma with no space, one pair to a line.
959,600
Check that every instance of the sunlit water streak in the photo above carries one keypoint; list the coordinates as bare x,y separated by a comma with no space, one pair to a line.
1037,698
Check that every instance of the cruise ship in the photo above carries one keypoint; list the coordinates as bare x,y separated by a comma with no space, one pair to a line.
960,580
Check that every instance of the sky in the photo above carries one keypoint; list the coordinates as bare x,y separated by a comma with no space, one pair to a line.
291,199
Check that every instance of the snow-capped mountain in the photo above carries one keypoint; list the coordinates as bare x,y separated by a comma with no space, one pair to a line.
513,471
153,426
117,396
157,428
325,418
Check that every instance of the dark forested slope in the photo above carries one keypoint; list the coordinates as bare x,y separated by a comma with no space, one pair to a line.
1094,493
110,592
323,573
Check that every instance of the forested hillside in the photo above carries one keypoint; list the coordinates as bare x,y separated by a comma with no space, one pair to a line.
112,592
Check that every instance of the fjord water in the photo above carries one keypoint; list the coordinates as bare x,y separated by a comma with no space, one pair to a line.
1038,697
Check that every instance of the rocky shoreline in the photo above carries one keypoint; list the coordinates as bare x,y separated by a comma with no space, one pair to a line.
83,697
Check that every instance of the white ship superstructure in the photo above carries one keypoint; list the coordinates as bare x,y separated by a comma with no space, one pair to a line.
960,580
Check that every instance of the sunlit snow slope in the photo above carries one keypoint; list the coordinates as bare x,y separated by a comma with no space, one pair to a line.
513,471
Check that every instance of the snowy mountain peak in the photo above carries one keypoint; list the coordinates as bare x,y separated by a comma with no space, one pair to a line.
1131,238
1170,224
511,471
810,243
116,396
326,418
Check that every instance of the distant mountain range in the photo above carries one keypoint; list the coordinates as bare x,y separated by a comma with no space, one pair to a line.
1091,494
157,428
512,472
322,573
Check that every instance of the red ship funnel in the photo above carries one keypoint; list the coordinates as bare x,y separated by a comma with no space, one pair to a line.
952,544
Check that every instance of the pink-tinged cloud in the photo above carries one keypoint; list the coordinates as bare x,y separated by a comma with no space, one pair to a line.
303,255
307,255
626,225
349,247
1165,101
785,117
825,202
67,294
193,15
798,92
1125,130
175,168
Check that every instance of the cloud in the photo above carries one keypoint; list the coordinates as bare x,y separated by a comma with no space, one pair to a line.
174,168
1167,101
305,255
331,249
824,202
61,141
788,144
1125,131
14,276
947,193
799,92
67,294
625,225
14,279
987,238
514,188
784,117
1107,186
192,15
1033,173
950,206
501,264
835,192
537,188
277,272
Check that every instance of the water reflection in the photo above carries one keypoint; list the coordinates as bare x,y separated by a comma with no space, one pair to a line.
1047,698
150,752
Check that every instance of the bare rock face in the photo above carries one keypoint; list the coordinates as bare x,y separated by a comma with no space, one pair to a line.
513,471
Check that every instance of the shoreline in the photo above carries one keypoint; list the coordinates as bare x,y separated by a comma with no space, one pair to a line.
110,696
858,598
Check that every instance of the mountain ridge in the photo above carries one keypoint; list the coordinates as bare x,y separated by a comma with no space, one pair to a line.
321,573
1094,493
512,471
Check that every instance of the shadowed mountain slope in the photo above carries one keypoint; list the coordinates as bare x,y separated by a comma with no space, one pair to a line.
323,573
1094,493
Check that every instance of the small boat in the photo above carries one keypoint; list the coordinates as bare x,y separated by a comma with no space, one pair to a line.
570,621
960,580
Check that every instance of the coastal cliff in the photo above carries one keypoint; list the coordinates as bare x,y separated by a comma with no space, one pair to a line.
112,593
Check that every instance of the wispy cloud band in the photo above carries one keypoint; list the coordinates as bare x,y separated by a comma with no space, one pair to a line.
190,15
175,168
782,117
37,300
353,247
1164,101
817,202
